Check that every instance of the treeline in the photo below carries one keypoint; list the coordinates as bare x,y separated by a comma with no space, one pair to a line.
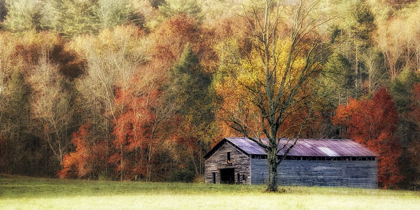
136,89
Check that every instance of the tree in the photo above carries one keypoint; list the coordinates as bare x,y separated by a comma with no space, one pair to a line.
172,36
408,132
131,133
15,124
23,15
3,10
373,123
397,39
22,60
177,7
70,17
271,77
88,160
112,58
140,127
352,36
51,106
401,88
114,13
189,88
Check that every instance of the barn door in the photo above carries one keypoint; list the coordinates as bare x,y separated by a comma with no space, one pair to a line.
227,176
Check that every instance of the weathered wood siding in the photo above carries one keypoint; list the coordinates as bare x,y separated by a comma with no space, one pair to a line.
239,161
361,174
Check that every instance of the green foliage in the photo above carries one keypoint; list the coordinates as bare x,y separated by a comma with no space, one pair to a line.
189,91
352,35
175,7
14,123
19,95
113,13
401,89
337,84
333,87
190,87
156,3
104,177
182,175
23,15
71,17
364,25
3,10
75,17
230,58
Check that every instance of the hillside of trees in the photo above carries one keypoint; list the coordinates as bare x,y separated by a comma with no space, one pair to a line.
139,89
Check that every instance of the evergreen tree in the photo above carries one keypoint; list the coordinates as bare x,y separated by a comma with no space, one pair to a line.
353,39
112,13
71,17
190,89
408,130
176,7
23,15
401,89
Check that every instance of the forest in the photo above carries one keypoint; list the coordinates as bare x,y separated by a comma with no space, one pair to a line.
141,89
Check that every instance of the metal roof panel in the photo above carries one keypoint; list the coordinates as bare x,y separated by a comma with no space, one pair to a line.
307,147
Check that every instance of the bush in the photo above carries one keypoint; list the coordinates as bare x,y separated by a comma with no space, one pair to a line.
182,175
104,177
199,179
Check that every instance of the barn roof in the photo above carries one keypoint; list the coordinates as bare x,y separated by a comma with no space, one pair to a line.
303,147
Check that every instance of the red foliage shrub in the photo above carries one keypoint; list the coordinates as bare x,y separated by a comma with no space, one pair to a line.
373,123
89,158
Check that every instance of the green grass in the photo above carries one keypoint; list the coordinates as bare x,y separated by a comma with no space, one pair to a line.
39,193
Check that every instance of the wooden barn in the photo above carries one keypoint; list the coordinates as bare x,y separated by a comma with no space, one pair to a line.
312,162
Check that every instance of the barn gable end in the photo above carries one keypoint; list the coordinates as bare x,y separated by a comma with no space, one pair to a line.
217,165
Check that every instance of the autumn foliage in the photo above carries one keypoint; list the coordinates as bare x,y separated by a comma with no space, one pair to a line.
136,89
132,134
88,159
373,123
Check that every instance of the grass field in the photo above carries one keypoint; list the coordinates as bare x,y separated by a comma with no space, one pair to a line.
38,193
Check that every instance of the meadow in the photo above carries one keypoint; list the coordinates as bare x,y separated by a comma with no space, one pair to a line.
17,192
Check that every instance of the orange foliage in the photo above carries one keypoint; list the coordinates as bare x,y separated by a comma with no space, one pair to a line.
237,28
87,161
32,46
373,123
174,33
132,130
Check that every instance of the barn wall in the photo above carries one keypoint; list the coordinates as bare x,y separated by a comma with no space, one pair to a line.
361,174
217,161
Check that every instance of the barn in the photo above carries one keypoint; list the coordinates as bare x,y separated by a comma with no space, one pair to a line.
312,162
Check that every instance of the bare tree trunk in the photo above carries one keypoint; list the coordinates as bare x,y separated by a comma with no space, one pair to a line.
356,70
149,163
122,163
272,169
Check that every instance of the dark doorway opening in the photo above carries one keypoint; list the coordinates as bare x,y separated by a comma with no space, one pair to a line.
227,176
